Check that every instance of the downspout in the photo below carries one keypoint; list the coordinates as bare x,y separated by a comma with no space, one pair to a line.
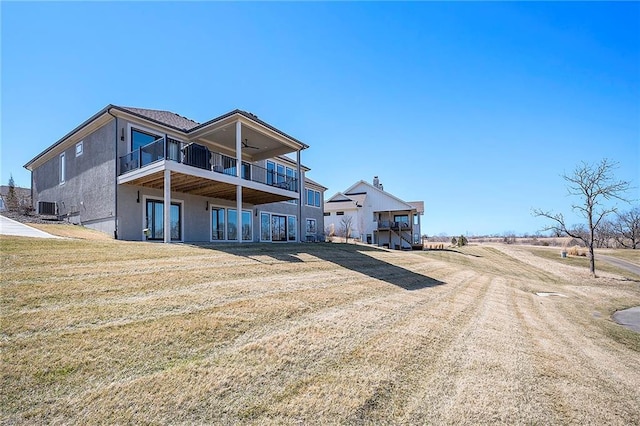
301,188
115,231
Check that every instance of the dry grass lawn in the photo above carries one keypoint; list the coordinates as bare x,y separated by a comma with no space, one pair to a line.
110,332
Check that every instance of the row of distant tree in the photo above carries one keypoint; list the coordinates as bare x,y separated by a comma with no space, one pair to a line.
619,231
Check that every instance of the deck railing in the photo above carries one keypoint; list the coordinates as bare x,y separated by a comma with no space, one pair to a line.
396,226
196,155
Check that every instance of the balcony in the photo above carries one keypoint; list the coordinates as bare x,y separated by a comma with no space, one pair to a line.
211,175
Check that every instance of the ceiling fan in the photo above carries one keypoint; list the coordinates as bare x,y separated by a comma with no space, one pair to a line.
245,144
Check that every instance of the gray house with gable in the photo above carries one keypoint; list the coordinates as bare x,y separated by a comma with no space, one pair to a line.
134,173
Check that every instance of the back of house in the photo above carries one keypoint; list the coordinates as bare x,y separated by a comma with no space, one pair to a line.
134,173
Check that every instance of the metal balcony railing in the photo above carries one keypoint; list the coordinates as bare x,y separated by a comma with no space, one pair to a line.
196,155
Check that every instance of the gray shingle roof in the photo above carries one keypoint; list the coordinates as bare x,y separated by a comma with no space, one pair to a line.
166,117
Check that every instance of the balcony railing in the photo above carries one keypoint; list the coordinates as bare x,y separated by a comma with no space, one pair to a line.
396,226
196,155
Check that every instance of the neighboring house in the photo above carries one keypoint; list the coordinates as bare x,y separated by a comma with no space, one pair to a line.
376,216
134,172
23,197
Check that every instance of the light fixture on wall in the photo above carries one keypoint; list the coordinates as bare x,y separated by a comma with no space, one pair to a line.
207,207
138,199
122,134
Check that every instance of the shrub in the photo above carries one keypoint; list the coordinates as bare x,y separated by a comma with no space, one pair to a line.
577,251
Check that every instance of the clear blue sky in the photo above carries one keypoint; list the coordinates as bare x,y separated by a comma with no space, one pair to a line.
475,108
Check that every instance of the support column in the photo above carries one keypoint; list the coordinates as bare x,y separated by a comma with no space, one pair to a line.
239,175
300,196
167,206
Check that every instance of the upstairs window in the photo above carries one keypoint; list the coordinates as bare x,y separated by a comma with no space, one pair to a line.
271,172
313,198
140,138
79,148
63,168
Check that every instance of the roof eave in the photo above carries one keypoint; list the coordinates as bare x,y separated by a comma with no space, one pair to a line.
252,118
84,124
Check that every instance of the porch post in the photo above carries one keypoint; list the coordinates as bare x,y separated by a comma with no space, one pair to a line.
300,195
167,206
239,175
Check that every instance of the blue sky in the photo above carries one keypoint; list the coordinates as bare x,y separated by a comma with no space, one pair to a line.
475,108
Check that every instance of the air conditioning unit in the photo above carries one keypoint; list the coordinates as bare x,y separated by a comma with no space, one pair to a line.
47,208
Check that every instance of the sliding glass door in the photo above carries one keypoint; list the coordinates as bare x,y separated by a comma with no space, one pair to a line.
155,220
278,228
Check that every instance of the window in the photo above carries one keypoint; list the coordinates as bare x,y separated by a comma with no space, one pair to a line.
415,220
275,227
271,172
311,226
143,148
79,148
217,224
339,213
62,168
291,231
278,228
402,221
246,171
155,220
292,183
232,225
140,139
281,175
265,227
327,213
247,226
313,198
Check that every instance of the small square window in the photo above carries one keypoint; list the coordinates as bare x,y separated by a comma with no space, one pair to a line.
79,148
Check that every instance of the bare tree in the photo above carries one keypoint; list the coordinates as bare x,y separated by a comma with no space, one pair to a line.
346,225
604,235
626,228
593,184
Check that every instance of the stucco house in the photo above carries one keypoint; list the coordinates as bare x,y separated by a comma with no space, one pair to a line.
134,173
376,216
